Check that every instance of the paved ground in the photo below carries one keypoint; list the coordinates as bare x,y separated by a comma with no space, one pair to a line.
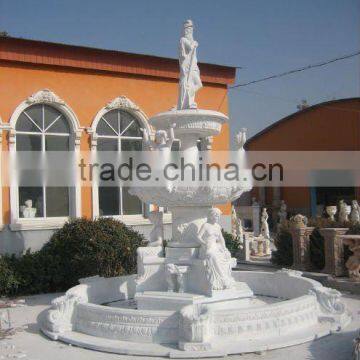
28,344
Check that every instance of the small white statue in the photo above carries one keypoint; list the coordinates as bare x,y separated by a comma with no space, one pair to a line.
156,236
27,210
236,225
163,139
240,138
343,212
282,212
213,250
190,81
355,212
264,224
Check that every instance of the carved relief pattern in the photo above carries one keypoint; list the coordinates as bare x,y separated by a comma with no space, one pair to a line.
121,102
44,96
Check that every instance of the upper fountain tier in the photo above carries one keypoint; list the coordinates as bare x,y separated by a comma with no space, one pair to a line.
197,123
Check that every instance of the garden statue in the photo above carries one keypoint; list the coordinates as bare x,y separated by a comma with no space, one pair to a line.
344,212
236,225
214,252
331,211
264,224
355,213
156,236
299,221
28,211
282,212
163,139
240,138
190,81
353,263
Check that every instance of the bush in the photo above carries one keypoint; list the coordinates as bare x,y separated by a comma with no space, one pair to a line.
81,248
8,279
232,244
283,255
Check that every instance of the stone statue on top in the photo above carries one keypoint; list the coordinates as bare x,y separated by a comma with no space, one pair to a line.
190,81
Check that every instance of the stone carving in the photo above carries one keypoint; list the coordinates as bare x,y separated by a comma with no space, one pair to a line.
299,221
214,252
328,299
27,210
236,225
194,326
156,236
175,277
190,81
282,212
44,96
206,143
331,211
353,263
355,213
344,212
289,272
163,139
121,102
60,317
240,138
264,224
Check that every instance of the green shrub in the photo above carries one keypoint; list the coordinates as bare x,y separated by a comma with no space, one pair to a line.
9,282
232,244
283,255
81,248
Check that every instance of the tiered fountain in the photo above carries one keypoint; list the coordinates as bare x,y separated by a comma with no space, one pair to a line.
185,301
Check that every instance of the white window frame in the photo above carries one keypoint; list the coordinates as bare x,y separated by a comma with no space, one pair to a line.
45,97
125,104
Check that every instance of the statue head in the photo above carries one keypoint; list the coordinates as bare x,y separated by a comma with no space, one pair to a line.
214,215
28,203
160,136
188,29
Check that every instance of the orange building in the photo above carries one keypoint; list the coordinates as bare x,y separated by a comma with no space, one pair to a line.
329,126
57,96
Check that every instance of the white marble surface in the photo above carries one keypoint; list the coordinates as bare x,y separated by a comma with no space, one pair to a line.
28,343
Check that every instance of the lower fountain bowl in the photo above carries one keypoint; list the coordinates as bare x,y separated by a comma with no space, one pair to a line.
288,309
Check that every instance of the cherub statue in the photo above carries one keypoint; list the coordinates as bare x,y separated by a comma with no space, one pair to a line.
213,250
163,139
156,236
355,212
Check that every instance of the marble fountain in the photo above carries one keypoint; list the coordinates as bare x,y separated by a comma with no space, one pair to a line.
185,301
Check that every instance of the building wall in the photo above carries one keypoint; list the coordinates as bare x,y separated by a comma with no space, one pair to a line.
86,92
332,126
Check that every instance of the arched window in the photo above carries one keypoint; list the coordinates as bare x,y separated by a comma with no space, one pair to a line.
43,123
118,130
43,128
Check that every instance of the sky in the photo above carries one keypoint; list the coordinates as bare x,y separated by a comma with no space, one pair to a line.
263,37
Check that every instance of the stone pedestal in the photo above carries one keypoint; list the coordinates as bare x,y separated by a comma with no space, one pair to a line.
301,247
244,253
334,251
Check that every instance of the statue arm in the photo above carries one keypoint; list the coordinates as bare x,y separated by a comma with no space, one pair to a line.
201,234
